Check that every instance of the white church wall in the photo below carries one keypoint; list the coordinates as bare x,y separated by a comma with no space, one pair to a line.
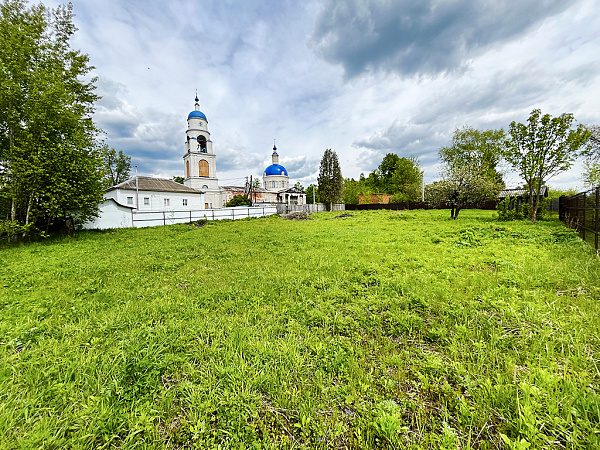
111,215
158,201
143,219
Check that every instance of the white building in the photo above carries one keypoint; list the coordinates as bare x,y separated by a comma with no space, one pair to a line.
156,194
275,177
277,180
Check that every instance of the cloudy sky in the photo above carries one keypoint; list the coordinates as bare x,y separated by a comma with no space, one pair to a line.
362,77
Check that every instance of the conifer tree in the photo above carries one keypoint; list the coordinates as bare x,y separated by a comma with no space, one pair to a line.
330,180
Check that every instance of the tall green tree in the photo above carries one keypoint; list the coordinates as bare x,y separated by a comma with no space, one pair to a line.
481,151
543,148
312,191
117,166
469,169
383,175
591,165
406,180
461,185
351,191
330,180
591,173
50,168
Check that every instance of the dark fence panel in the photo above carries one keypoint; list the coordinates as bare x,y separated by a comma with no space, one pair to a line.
489,205
581,212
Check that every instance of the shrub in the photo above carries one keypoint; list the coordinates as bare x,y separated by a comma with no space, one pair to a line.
239,200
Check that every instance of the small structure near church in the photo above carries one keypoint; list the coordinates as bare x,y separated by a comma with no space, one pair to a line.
277,180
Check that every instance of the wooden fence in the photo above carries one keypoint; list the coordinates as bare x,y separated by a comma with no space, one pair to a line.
580,212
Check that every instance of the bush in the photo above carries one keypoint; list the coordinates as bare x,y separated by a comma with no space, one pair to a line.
511,209
239,200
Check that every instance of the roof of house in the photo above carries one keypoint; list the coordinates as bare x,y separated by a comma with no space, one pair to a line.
154,184
521,192
242,189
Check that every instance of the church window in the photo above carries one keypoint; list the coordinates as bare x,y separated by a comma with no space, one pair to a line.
184,202
201,143
203,168
146,201
204,186
167,202
187,169
130,200
272,184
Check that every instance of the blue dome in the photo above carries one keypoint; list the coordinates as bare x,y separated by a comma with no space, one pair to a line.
276,169
197,115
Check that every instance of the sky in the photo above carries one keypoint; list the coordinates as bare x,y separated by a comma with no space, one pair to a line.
362,77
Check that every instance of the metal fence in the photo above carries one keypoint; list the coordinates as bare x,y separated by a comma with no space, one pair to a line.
141,219
580,212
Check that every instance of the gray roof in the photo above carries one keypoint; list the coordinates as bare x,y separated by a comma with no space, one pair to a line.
521,192
154,184
242,188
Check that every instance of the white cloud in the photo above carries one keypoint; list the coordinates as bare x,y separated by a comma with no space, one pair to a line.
351,81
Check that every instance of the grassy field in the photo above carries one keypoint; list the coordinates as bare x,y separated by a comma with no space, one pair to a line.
381,330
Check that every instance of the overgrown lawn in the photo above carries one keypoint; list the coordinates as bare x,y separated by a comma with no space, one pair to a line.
381,330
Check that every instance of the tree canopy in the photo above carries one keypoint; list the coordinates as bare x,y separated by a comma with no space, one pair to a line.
470,174
239,200
543,148
479,150
50,167
330,180
117,166
591,165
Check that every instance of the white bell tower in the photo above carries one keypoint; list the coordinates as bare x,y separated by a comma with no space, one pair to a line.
199,161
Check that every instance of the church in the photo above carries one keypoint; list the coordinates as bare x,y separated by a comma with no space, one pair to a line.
200,170
147,201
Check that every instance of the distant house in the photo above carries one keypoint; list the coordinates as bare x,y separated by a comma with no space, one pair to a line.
374,199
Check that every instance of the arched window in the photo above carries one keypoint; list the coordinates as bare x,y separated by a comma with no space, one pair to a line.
203,168
201,143
272,184
204,186
187,169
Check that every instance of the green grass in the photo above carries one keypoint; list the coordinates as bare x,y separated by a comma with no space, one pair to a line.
382,330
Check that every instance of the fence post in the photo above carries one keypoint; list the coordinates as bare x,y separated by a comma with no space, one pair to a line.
583,224
596,217
164,218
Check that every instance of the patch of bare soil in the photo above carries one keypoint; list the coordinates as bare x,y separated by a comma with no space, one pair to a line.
298,215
